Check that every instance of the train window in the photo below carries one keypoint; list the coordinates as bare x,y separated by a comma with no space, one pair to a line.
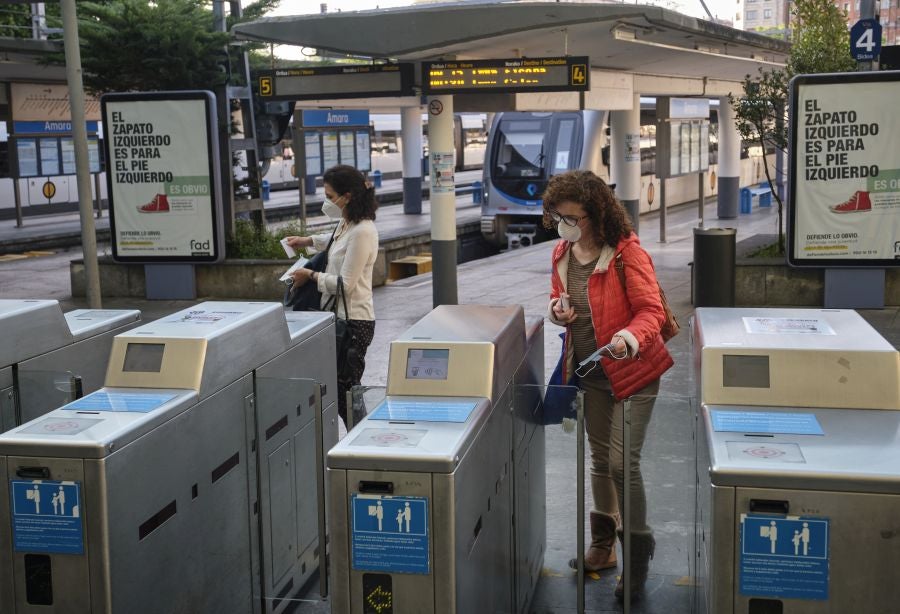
565,138
522,149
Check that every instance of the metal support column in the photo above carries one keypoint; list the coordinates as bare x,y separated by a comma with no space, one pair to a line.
729,165
625,158
443,200
411,127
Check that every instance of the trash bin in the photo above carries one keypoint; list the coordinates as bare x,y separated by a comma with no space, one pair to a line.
265,189
477,194
712,277
746,200
376,179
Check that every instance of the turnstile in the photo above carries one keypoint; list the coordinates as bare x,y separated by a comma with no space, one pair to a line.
437,498
48,359
188,483
798,463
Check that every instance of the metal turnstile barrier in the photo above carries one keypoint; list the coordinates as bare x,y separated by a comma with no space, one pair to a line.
798,462
49,358
423,491
191,482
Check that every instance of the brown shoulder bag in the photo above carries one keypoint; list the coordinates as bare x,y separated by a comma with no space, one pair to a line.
670,327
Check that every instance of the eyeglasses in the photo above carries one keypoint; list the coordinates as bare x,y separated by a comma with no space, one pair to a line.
568,220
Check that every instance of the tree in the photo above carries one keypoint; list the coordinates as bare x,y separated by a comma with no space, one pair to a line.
136,45
819,44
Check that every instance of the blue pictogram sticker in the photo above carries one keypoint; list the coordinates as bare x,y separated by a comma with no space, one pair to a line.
46,516
784,557
390,534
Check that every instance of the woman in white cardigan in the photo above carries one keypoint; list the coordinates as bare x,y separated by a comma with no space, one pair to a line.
351,257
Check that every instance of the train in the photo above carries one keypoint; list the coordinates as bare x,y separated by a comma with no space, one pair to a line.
525,149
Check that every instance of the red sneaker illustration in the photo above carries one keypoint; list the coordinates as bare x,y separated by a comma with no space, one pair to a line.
159,204
858,202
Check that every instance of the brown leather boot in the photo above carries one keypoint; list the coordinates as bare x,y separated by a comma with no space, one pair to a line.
642,547
601,553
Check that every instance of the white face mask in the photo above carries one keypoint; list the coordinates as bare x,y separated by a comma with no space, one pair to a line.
569,233
332,210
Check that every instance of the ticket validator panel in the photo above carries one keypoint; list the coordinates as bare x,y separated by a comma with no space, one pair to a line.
119,501
422,491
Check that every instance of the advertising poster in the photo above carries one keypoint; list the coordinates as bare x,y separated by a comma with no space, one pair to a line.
442,175
845,170
632,148
161,176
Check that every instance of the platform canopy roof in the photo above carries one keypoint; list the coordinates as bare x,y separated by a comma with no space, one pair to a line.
643,40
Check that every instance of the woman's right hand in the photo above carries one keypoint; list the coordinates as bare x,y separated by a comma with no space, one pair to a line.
564,316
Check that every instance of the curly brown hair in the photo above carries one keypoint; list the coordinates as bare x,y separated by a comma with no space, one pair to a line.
608,219
346,179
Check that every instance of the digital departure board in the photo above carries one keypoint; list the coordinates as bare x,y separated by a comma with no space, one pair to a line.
516,75
350,81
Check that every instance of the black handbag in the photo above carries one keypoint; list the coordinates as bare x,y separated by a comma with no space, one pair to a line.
307,297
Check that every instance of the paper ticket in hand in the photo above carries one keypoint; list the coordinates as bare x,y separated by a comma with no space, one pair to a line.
288,249
299,264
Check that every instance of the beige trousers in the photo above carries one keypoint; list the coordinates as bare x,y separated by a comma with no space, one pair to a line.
603,424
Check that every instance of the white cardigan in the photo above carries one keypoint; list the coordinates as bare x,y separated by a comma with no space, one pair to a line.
352,256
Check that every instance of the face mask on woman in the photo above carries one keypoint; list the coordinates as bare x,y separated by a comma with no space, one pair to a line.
569,233
332,210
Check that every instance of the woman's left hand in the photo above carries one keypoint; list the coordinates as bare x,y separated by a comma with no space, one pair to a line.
301,276
619,345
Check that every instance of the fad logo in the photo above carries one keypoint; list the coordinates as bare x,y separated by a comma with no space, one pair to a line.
200,246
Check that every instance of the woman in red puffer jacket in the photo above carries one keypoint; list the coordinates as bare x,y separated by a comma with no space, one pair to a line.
589,299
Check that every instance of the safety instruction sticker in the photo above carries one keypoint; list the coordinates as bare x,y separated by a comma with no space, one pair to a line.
784,557
46,516
389,534
423,411
788,423
792,326
139,402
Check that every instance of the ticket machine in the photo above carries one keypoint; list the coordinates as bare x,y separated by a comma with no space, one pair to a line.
48,358
798,463
188,483
436,499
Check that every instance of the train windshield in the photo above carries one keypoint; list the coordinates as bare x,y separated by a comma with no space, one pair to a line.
522,148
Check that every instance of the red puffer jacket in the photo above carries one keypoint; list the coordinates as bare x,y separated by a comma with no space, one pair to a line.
640,313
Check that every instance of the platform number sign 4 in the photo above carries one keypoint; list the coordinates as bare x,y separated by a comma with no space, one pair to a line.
865,40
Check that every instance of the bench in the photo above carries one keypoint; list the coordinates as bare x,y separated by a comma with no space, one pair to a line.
762,193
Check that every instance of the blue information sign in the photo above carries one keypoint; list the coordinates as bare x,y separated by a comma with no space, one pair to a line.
50,127
46,516
423,411
138,402
390,534
865,40
765,422
784,557
334,118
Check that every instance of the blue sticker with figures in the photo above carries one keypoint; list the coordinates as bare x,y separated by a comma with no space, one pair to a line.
46,516
389,534
423,411
138,402
784,557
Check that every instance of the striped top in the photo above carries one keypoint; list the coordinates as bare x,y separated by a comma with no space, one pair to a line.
582,329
